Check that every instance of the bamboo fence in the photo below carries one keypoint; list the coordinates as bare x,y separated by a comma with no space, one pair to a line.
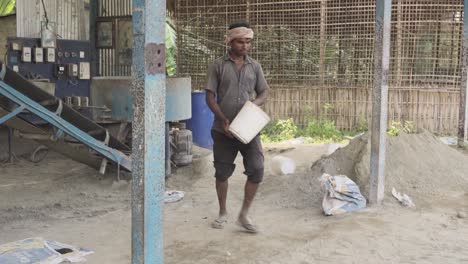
320,52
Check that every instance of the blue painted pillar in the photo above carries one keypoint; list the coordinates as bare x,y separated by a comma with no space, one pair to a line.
380,99
463,112
149,92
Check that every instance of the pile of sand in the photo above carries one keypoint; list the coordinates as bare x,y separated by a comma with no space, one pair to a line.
419,165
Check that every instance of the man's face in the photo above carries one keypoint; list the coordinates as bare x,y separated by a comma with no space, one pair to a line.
241,46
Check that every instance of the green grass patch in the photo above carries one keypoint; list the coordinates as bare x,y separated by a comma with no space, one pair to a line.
279,130
316,130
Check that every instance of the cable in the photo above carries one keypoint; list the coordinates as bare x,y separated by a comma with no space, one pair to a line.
47,20
5,57
73,83
45,14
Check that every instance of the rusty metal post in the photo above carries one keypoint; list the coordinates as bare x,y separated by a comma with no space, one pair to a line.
149,92
463,111
380,100
93,14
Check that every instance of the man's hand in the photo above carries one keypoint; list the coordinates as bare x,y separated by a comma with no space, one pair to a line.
226,128
211,102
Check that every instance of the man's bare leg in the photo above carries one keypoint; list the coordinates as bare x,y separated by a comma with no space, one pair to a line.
221,190
249,194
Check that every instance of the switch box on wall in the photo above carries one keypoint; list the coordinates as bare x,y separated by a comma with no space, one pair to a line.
26,56
50,55
73,70
39,55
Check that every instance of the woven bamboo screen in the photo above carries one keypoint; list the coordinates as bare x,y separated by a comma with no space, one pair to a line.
318,53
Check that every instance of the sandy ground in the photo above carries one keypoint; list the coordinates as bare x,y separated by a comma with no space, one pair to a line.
62,200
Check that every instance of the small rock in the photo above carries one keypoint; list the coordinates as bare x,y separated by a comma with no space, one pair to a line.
228,253
57,205
461,214
83,194
444,225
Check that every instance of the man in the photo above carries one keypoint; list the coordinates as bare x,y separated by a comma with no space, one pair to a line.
232,80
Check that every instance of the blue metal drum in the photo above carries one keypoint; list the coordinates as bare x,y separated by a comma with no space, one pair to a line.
201,121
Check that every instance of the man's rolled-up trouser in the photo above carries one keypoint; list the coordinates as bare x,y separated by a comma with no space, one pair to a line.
225,150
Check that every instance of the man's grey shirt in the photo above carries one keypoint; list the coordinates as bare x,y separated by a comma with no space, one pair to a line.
233,88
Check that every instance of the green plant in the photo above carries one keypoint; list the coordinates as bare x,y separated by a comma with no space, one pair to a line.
321,129
361,126
279,130
7,7
409,127
317,129
396,127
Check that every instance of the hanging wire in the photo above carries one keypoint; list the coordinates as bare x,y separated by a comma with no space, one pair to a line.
45,14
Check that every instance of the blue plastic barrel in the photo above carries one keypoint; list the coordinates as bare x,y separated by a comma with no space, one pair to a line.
201,122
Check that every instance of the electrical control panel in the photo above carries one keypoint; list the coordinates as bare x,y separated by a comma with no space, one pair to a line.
67,65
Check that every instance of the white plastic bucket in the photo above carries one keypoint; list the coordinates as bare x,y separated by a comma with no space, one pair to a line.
249,122
282,165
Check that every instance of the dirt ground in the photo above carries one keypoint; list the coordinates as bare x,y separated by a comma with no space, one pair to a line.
66,201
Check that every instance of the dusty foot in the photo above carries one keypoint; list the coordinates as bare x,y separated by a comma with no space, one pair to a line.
219,222
247,224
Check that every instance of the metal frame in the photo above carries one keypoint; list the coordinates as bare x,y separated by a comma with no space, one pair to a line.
61,125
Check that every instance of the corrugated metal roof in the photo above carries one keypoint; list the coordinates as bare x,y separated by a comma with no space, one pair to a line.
7,7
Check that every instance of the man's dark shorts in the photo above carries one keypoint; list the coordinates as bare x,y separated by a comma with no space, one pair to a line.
225,151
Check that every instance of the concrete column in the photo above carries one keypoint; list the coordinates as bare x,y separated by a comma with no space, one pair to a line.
380,100
463,112
149,92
